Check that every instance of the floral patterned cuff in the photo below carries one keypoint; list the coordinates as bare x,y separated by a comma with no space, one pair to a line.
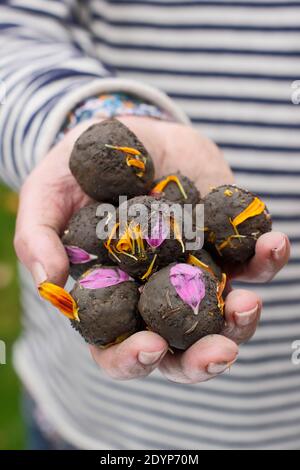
109,106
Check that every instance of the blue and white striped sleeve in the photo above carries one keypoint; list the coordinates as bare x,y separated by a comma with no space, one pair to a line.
47,67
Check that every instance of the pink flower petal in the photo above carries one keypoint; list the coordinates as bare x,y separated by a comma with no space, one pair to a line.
189,284
104,277
78,256
159,232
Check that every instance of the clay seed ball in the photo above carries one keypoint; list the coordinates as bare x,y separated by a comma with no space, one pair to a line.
234,220
108,160
107,301
81,242
135,250
177,189
182,303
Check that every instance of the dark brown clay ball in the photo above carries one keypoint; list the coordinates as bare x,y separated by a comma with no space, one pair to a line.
165,313
141,263
233,245
172,191
107,315
105,173
206,259
81,233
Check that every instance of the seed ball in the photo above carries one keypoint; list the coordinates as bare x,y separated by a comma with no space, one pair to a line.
234,220
107,315
171,311
135,252
108,161
177,189
81,233
204,260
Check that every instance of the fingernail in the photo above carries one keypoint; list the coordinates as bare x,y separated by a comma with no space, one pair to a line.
217,369
150,358
246,318
38,273
278,253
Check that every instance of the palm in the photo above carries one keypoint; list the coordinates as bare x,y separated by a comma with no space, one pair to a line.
51,196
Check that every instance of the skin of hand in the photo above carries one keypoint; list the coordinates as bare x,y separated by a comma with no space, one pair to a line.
51,195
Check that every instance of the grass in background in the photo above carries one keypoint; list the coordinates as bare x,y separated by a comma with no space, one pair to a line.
11,428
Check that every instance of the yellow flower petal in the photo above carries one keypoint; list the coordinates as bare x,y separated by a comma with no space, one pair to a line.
60,299
150,269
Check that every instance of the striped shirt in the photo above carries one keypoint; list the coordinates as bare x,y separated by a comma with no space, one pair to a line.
232,66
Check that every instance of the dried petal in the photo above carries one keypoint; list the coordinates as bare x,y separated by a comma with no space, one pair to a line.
220,291
189,284
194,261
104,277
159,188
149,270
136,235
255,208
177,233
125,244
129,150
60,299
134,158
159,232
136,163
78,256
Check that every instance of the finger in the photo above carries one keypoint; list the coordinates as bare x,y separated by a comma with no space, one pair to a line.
242,312
272,253
37,243
206,359
136,357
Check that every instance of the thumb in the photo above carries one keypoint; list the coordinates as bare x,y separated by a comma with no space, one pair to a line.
41,218
42,252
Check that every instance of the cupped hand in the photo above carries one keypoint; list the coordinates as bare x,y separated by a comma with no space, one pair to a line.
51,195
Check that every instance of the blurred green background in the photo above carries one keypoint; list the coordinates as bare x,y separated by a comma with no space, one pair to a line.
11,428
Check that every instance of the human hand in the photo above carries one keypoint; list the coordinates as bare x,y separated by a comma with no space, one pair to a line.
51,195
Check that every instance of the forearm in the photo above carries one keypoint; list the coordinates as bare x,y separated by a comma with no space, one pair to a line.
46,74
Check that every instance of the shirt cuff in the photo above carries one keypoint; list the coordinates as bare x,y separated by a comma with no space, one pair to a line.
110,106
145,93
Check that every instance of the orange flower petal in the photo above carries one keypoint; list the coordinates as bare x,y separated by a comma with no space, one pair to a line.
255,208
60,299
221,288
159,188
129,150
119,340
136,163
194,261
125,243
